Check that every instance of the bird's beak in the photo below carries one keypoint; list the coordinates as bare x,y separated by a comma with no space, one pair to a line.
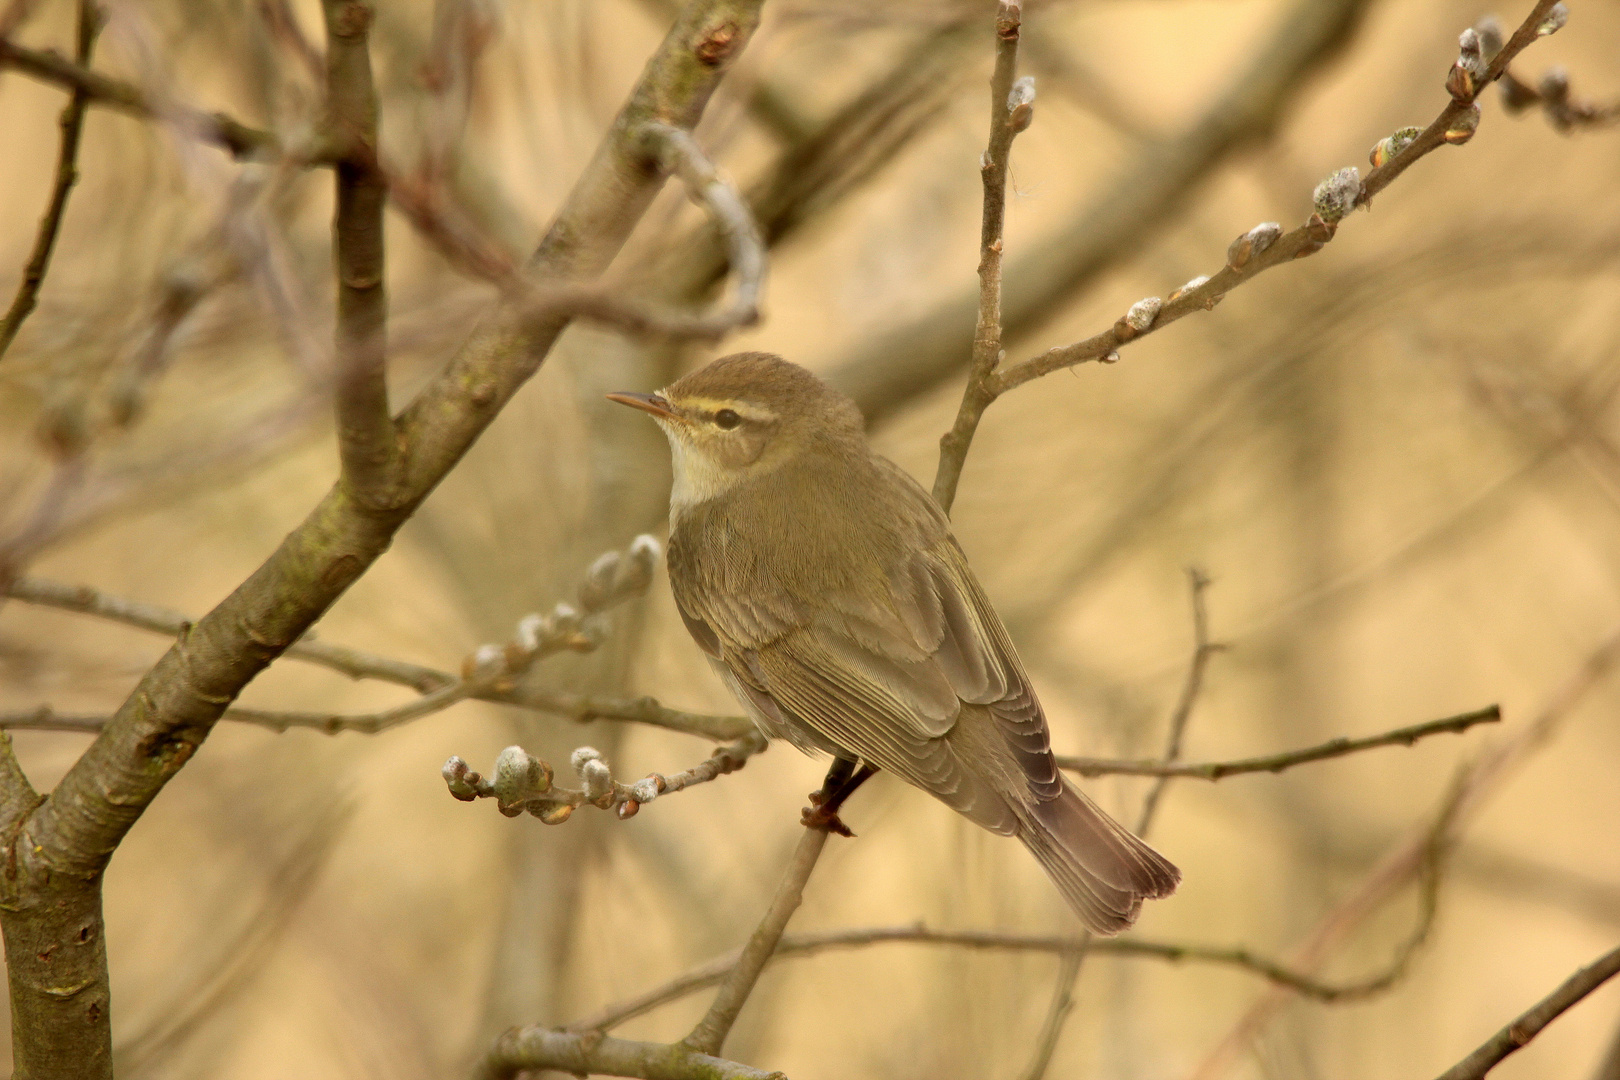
650,403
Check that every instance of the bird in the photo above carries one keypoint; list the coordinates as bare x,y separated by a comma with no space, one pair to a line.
826,589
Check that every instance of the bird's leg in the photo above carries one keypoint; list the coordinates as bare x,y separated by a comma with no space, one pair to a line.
841,781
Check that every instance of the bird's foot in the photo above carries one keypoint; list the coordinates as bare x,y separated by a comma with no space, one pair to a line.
818,815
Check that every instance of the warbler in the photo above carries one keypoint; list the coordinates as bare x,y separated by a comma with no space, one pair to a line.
825,587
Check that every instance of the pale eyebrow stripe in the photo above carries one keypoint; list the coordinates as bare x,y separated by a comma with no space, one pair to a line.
746,410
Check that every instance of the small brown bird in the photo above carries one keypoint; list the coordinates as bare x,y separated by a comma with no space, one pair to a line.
825,587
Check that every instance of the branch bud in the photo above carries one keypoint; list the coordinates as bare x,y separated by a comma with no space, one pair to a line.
579,757
1021,104
1491,36
462,781
519,776
555,814
1471,53
1554,86
645,790
1251,244
1189,287
1464,127
1390,146
597,779
1336,196
1142,313
1554,22
598,590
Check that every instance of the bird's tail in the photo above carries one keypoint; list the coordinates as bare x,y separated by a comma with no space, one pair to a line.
1102,870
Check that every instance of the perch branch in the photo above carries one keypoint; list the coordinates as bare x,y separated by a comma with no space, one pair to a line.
67,174
1012,107
738,982
1215,770
1516,1035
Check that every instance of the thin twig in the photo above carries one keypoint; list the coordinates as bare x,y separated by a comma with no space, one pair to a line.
1216,770
1058,1009
738,982
367,440
523,783
219,129
889,369
1563,112
1068,974
1529,1024
1417,854
500,686
1263,247
1010,113
678,154
535,1049
1203,649
710,973
67,174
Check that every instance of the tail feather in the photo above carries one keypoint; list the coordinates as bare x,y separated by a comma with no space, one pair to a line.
1103,871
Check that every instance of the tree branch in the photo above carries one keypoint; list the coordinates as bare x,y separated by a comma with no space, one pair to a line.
1216,770
357,664
1516,1035
738,982
1417,855
1203,649
367,441
53,902
891,368
709,974
678,154
523,783
1266,245
67,174
529,1049
1012,107
217,128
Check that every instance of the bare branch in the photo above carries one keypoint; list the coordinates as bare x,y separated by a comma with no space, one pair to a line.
1203,649
890,369
54,901
1563,112
710,973
738,982
217,128
1417,855
67,174
1516,1035
677,153
1262,247
532,1049
1216,770
1012,107
367,440
358,664
523,783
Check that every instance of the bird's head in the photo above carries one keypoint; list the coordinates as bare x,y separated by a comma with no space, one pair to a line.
743,416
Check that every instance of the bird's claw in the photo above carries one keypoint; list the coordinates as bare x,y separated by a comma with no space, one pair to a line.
817,816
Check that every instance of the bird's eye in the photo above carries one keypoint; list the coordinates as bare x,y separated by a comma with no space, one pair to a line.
727,419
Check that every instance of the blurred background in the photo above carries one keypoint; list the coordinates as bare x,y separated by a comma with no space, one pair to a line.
1397,461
